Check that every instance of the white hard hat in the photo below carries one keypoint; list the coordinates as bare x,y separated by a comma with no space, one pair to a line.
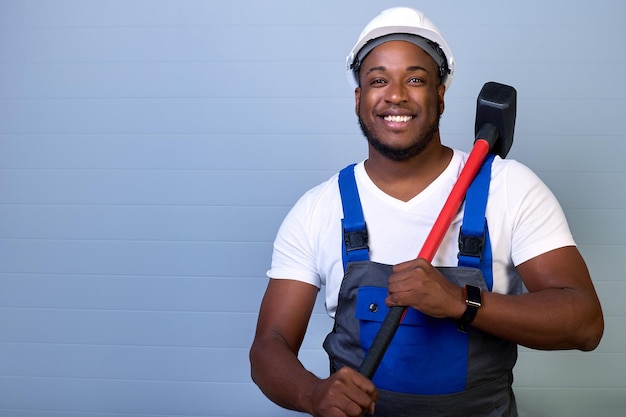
402,23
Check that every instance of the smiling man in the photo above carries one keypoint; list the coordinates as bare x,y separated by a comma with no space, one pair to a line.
356,236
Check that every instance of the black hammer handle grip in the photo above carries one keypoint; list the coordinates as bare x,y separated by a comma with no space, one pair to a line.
489,133
381,341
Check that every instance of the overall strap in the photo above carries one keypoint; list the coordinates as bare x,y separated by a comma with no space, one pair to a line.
474,242
354,247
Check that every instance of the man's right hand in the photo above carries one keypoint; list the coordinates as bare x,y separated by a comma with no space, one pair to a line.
344,393
276,369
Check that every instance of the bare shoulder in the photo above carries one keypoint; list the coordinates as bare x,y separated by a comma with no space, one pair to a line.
559,268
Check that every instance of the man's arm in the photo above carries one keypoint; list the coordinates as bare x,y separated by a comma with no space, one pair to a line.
283,319
560,311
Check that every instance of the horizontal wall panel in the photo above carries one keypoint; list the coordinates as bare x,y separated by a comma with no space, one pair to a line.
171,80
149,293
172,12
132,293
123,222
141,187
576,402
244,12
597,227
189,43
570,154
471,39
569,186
611,295
187,152
177,115
143,398
127,328
522,75
127,363
614,339
137,363
604,261
135,258
570,369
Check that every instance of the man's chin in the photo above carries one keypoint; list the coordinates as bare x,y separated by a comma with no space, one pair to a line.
394,154
400,154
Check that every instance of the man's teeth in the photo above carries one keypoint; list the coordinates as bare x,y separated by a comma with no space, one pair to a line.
398,118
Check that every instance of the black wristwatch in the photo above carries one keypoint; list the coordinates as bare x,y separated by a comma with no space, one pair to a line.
473,300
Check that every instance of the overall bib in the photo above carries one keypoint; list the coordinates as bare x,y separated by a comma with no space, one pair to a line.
430,368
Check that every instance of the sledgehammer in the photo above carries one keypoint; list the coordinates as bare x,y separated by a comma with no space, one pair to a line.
495,123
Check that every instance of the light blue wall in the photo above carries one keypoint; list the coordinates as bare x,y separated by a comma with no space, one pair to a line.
150,148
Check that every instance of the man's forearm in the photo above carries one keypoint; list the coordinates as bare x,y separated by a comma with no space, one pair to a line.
281,376
549,319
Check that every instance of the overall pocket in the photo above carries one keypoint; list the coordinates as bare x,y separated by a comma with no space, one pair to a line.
426,356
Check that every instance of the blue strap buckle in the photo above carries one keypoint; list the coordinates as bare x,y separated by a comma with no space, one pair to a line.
355,240
471,245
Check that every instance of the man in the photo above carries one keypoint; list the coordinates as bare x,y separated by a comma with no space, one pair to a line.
401,67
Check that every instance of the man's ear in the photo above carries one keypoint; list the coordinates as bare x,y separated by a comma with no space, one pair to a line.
357,100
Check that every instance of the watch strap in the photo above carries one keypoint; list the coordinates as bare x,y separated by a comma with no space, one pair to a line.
473,301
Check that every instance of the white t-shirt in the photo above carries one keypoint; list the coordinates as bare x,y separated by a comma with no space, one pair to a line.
524,217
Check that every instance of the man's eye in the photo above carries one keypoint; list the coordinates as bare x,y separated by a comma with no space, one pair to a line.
416,80
378,81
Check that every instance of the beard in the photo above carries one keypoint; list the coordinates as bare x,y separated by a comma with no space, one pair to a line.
420,142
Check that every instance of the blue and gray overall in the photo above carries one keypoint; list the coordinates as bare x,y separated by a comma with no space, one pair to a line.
430,368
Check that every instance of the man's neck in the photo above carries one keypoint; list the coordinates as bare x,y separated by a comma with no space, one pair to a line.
404,180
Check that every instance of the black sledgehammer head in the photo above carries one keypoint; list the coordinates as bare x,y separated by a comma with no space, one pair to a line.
496,106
